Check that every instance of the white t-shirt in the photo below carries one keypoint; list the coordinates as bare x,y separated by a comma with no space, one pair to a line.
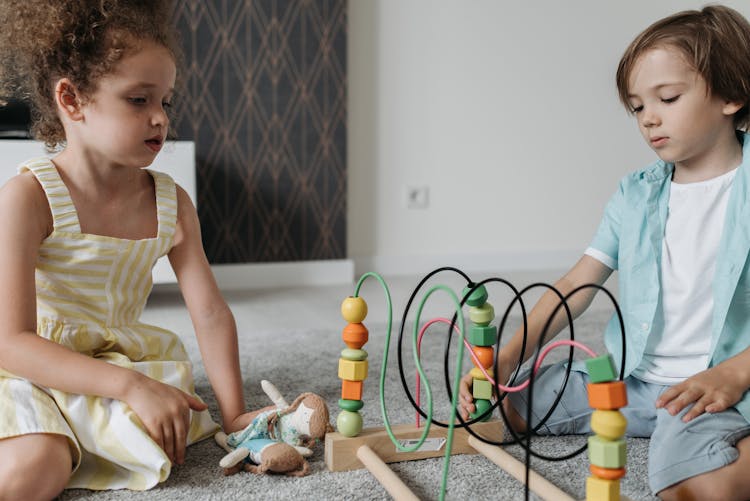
680,339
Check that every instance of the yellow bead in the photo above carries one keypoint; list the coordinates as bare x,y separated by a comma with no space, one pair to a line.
476,373
352,370
608,424
354,309
599,489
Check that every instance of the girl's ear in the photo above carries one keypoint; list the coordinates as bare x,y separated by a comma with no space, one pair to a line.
730,107
68,100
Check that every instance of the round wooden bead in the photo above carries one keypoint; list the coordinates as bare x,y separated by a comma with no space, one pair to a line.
351,354
476,373
608,424
485,354
481,407
478,297
355,336
354,309
607,473
350,405
349,423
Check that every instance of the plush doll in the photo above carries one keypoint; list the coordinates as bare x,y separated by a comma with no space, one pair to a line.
279,438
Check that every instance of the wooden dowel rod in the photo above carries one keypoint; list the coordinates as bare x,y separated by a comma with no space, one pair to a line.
537,484
385,475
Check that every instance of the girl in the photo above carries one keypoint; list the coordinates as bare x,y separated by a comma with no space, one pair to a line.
677,232
89,396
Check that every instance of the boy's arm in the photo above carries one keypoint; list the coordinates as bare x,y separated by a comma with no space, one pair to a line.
712,390
214,323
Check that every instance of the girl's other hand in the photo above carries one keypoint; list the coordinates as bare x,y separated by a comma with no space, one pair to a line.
165,413
241,421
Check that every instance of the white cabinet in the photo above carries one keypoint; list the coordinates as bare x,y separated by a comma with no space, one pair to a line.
177,159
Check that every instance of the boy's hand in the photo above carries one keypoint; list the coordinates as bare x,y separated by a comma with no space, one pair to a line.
465,398
165,413
712,390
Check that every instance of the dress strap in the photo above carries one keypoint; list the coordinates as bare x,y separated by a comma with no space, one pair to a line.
64,215
166,204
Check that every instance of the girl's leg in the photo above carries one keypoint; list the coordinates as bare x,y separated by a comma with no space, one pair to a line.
40,468
729,482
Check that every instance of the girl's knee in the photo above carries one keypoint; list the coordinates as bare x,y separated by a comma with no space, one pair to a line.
40,467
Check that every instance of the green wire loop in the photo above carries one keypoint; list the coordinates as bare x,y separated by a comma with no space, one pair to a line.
428,389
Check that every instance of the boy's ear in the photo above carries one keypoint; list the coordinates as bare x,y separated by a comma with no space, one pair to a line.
68,100
730,107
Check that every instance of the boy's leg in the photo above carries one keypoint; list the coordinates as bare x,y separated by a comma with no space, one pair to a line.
41,466
714,460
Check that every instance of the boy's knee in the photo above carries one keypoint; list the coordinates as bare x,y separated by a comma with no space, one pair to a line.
40,468
516,422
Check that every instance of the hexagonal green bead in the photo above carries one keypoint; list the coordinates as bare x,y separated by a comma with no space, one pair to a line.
606,453
477,298
483,335
482,315
350,405
601,369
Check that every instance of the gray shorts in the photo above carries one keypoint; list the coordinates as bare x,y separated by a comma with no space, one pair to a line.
706,443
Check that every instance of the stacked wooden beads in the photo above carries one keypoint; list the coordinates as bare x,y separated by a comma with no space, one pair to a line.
352,366
606,447
482,337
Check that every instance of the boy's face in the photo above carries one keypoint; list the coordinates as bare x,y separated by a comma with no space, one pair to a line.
676,115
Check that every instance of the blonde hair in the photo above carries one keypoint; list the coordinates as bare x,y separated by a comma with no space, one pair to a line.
82,40
715,41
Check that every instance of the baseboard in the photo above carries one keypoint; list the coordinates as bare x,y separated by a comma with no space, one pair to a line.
283,274
499,262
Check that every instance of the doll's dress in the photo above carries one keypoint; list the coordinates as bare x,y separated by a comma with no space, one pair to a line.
91,291
283,430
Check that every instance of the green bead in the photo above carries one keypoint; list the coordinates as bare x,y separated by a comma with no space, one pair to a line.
482,315
350,405
477,298
482,405
606,453
349,423
483,335
481,389
352,354
601,369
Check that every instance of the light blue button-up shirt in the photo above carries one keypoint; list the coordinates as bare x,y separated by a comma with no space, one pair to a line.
631,234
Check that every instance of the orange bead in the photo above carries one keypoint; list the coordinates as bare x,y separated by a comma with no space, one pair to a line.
355,335
607,473
607,396
485,354
351,390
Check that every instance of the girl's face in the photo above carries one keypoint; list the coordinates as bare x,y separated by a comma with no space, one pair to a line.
676,115
125,119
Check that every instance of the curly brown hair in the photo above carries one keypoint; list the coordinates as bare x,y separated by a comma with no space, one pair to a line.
42,42
715,41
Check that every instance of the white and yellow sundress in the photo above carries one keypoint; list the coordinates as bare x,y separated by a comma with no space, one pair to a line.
91,291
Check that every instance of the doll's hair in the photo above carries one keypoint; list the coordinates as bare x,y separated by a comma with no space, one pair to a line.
319,421
715,41
82,40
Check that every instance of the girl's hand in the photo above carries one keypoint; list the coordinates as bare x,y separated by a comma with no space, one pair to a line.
712,390
165,413
241,421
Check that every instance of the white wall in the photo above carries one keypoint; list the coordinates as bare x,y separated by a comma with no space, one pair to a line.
506,110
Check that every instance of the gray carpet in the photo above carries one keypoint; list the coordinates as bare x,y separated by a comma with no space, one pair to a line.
306,360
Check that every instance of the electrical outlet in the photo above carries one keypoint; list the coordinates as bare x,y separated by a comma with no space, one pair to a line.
417,197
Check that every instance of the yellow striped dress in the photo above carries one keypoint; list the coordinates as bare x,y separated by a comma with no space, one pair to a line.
91,291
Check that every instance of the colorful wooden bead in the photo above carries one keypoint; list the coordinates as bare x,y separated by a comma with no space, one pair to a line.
354,309
478,297
485,354
351,390
607,473
351,354
483,335
599,489
349,423
350,405
476,373
352,370
608,424
601,369
608,396
355,335
606,453
482,315
482,389
481,406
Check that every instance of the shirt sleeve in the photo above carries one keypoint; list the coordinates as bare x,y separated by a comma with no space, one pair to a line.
606,243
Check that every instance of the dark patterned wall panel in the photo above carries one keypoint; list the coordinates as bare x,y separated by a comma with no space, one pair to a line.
265,102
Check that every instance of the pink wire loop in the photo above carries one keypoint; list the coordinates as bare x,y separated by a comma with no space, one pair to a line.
475,359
